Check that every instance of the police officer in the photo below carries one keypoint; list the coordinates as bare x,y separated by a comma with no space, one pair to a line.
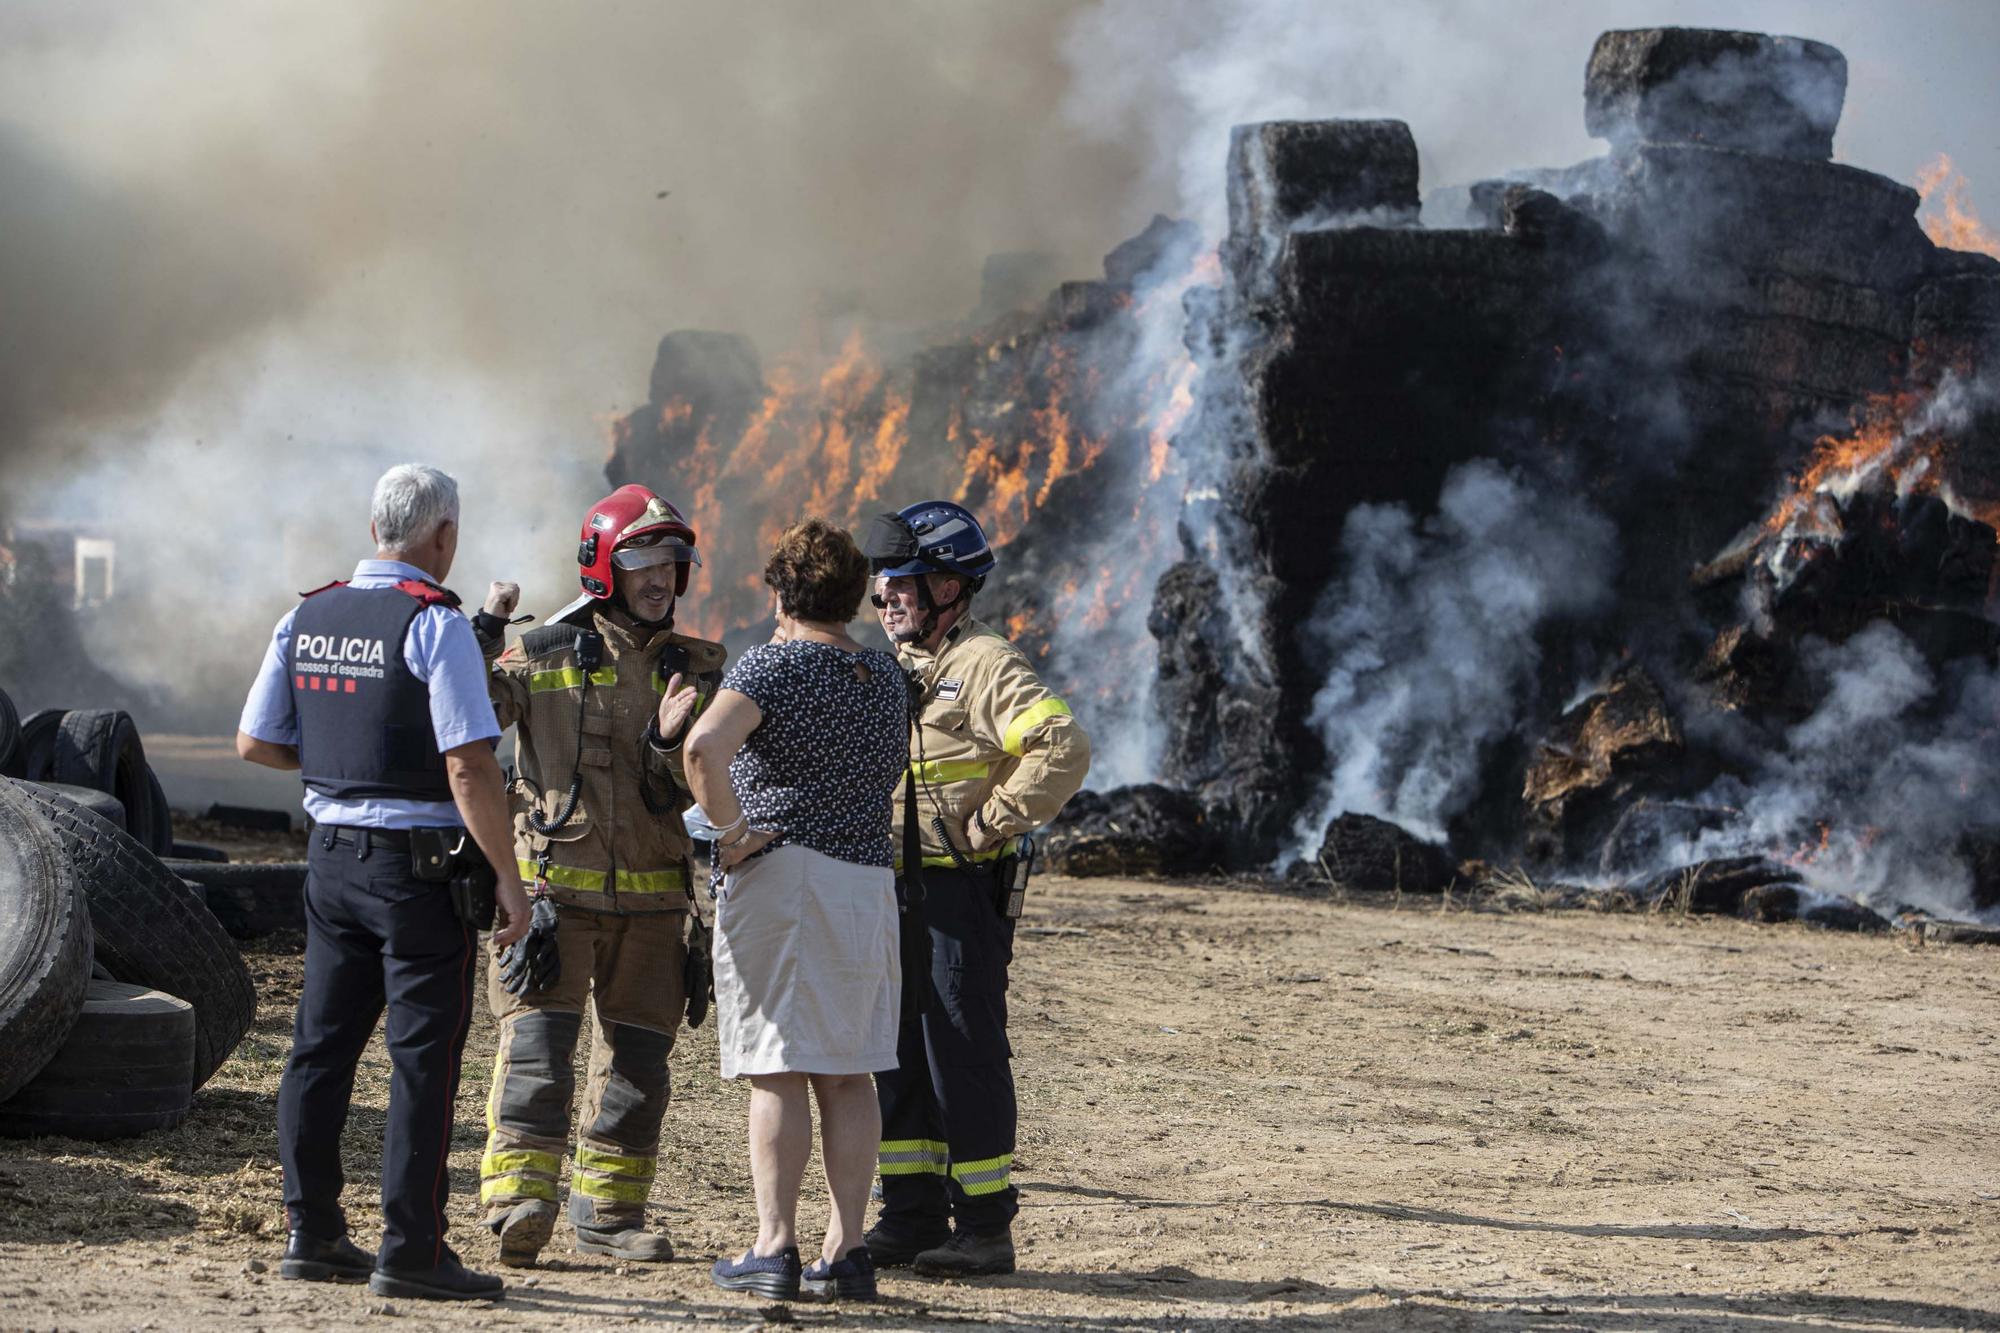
994,755
374,690
601,697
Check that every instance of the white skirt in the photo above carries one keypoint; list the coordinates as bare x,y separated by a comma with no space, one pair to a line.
808,971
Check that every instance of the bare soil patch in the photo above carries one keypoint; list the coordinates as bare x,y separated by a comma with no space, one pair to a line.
1242,1108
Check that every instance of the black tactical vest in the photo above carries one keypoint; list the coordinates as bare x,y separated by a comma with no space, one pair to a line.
364,720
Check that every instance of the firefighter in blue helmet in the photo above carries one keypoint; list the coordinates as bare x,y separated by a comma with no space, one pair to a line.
375,691
994,755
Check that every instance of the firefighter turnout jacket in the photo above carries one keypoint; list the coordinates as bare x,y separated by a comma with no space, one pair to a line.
993,740
615,852
618,866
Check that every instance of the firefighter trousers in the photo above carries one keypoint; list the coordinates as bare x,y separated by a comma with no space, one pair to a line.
628,967
948,1114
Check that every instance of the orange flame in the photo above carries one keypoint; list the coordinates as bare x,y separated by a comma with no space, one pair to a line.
1954,226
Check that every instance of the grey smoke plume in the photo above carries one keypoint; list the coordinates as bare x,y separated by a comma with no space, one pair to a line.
1871,793
1430,636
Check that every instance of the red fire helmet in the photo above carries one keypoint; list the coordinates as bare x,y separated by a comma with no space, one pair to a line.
633,528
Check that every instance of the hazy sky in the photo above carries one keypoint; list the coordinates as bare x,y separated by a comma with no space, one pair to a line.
252,251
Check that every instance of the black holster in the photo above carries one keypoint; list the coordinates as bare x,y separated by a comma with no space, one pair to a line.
449,856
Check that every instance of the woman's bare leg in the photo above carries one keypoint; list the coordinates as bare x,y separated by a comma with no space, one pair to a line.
780,1143
850,1137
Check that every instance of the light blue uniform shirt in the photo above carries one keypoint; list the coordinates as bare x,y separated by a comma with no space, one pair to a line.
440,650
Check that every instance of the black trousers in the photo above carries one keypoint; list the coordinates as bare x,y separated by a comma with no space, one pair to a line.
948,1113
376,938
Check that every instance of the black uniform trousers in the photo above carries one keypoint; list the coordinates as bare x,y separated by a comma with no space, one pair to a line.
376,937
948,1113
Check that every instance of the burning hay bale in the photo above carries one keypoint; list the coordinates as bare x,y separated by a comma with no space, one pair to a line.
1372,855
1141,830
1594,760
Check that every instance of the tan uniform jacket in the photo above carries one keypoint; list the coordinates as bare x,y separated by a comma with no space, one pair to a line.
614,854
993,739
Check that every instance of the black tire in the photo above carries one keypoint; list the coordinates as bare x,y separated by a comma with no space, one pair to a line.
100,747
45,942
162,841
38,743
152,932
126,1069
100,803
10,736
250,898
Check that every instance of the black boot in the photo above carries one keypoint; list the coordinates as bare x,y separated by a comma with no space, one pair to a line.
448,1281
969,1255
891,1249
309,1259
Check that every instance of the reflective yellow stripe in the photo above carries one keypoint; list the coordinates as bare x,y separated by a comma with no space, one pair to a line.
990,854
569,678
568,877
651,881
516,1187
592,1160
989,1176
913,1157
509,1161
1027,719
950,770
611,1189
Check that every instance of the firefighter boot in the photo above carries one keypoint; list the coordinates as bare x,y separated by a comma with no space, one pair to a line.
968,1254
523,1230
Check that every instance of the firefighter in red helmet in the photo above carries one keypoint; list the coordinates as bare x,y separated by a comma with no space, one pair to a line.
601,697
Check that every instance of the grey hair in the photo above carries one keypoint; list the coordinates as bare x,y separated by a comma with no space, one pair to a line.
411,500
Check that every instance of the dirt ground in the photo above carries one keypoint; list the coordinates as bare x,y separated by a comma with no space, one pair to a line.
1242,1108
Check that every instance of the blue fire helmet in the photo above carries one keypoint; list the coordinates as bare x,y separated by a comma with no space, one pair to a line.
930,537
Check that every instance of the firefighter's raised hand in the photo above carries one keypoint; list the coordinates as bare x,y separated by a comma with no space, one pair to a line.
676,707
502,598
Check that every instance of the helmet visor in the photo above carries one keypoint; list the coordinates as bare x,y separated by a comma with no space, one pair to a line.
654,548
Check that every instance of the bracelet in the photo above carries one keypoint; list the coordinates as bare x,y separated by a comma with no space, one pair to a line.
744,836
721,829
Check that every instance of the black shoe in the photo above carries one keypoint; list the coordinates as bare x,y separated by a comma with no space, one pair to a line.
848,1278
449,1281
310,1259
773,1275
969,1255
890,1250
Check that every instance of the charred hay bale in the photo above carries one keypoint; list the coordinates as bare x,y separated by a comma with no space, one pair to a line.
1747,90
1649,833
1375,856
1714,887
1703,209
1980,850
1287,175
703,383
1793,902
1142,830
1591,760
1536,217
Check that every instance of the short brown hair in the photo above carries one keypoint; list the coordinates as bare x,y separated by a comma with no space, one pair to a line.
818,572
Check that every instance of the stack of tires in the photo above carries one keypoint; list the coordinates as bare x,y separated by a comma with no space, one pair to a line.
120,993
94,756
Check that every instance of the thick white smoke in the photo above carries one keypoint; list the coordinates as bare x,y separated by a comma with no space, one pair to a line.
1430,640
1870,794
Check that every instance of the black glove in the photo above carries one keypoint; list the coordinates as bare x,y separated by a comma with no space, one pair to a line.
533,962
698,973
